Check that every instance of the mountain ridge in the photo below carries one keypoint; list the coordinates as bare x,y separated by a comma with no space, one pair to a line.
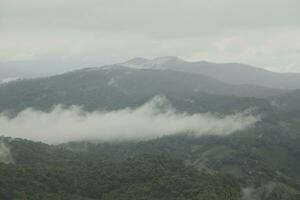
244,74
119,86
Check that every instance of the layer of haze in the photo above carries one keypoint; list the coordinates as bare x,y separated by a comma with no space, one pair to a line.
56,35
154,119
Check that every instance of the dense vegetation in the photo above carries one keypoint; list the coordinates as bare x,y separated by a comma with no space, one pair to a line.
173,167
48,172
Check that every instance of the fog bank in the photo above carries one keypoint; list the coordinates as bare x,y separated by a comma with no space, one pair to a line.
154,119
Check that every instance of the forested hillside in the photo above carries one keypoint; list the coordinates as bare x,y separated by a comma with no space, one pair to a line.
257,162
117,87
169,168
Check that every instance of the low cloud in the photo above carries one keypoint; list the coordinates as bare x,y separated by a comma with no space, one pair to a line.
263,192
154,119
8,80
5,155
249,193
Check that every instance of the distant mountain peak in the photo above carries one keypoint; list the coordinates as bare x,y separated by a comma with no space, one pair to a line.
138,60
156,62
168,59
233,73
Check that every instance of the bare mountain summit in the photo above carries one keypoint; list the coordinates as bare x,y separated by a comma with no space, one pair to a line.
233,73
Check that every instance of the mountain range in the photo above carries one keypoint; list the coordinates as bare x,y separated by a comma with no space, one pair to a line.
257,163
233,73
117,87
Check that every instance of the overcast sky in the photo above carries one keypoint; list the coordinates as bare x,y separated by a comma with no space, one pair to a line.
265,33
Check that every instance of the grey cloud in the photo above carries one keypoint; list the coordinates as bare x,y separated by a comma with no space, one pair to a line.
159,17
101,31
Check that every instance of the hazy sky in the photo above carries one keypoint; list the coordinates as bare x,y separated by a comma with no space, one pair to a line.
265,33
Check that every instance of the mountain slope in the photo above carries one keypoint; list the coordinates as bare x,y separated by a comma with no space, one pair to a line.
261,162
67,175
164,168
288,104
233,73
117,87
